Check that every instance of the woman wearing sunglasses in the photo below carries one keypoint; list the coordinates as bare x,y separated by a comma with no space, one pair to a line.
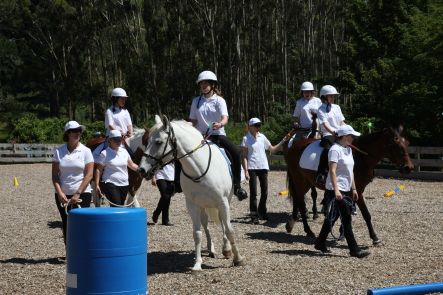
111,172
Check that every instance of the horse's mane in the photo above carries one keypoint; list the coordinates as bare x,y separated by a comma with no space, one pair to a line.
187,126
368,138
138,131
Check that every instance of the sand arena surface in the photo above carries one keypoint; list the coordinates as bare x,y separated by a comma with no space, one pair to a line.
410,225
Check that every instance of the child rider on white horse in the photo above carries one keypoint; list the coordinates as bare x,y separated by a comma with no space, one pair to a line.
209,114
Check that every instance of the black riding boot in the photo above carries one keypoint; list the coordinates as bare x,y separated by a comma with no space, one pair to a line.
322,168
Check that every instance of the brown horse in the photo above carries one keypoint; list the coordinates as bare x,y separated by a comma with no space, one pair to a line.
137,144
369,150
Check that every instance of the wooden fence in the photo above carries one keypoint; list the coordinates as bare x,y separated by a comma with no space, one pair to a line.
428,161
21,153
428,164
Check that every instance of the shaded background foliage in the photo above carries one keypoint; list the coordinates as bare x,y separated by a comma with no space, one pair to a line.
59,60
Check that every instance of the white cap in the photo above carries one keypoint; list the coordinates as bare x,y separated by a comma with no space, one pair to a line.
346,130
74,125
114,134
206,75
328,90
118,92
253,121
307,86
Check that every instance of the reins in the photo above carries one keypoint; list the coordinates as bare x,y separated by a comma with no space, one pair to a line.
104,198
67,204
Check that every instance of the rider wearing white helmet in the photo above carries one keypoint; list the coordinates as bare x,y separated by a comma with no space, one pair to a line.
330,118
305,111
117,116
209,114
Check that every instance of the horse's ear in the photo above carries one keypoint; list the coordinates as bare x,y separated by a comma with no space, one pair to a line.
165,121
158,120
400,129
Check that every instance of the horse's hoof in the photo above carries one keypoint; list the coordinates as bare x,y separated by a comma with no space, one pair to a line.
212,255
289,226
227,254
241,262
377,242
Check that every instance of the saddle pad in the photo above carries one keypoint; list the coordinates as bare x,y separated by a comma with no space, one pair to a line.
311,156
225,155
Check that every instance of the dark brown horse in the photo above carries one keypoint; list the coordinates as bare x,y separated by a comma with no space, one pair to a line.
370,149
137,144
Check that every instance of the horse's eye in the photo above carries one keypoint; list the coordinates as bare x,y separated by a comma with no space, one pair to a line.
158,141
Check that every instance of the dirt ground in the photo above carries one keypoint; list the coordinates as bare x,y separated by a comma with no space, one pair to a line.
410,224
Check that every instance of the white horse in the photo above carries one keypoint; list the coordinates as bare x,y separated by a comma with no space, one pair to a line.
205,180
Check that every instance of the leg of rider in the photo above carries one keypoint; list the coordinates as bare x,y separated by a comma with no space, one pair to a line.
263,178
236,165
252,192
326,142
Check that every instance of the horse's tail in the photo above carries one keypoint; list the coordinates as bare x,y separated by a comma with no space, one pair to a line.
213,215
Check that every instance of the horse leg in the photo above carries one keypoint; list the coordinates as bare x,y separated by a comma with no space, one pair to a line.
304,217
367,217
225,218
195,213
227,249
290,223
210,244
314,202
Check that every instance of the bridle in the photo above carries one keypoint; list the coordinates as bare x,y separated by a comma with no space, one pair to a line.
172,141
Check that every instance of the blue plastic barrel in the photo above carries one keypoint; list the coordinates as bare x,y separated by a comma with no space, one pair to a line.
106,251
409,289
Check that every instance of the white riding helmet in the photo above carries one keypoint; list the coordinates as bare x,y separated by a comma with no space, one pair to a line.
307,86
206,75
118,92
328,90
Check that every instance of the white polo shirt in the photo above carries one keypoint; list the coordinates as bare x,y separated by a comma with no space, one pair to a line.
207,111
166,173
334,117
345,166
256,150
304,109
120,119
72,167
115,166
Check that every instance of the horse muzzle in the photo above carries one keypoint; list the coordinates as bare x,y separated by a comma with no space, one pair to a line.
146,174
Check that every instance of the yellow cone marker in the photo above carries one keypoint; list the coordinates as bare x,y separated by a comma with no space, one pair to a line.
15,181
